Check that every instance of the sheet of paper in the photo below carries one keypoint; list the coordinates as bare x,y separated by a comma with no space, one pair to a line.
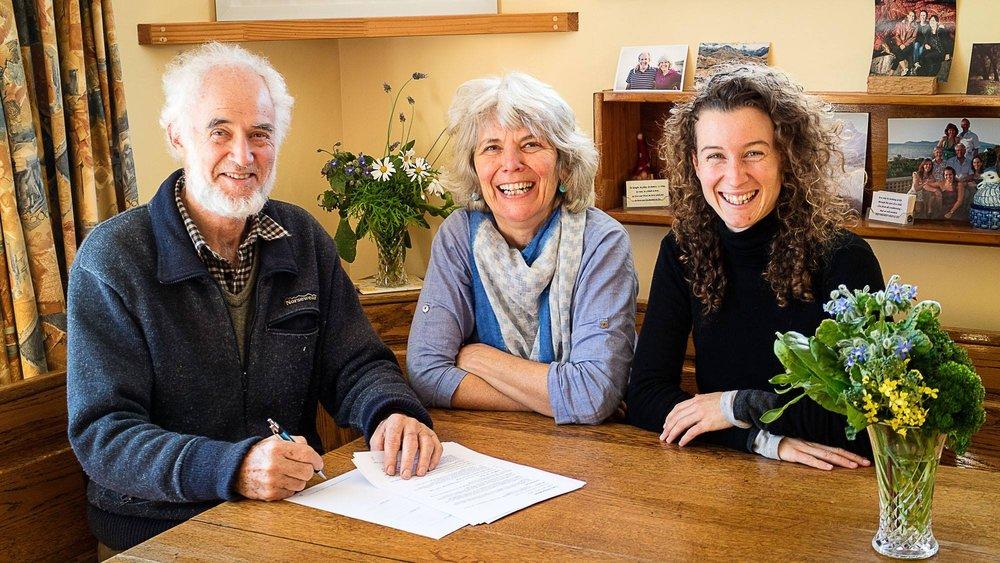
352,495
472,486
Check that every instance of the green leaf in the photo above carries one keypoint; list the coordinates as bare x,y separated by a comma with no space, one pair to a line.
856,419
829,364
362,229
347,241
829,332
419,219
337,183
822,396
788,359
773,414
408,146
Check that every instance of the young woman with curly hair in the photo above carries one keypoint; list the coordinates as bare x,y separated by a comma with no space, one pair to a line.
757,245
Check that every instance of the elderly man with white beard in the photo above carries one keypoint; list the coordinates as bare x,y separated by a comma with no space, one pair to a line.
196,318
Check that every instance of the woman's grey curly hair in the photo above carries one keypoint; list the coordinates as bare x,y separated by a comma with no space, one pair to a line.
809,211
518,100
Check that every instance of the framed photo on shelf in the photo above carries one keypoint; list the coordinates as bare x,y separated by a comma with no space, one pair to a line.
984,70
854,144
242,10
651,67
711,55
941,161
913,38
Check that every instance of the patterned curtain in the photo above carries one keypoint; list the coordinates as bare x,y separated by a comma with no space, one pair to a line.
65,164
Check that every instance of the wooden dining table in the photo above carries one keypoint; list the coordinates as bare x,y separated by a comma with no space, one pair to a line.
643,500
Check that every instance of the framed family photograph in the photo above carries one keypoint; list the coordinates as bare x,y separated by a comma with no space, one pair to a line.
913,38
941,161
651,67
243,10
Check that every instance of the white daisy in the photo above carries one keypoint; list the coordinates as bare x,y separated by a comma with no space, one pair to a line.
435,187
383,169
408,158
419,170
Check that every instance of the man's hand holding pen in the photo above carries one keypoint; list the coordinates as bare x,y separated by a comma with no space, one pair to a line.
275,469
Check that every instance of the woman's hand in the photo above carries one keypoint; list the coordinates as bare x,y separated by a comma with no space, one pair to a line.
697,415
818,455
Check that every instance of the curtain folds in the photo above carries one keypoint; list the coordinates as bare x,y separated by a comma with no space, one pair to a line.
65,164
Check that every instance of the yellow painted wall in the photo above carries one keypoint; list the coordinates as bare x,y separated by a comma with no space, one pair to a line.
826,46
311,70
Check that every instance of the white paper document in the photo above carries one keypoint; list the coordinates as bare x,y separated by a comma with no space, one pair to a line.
352,495
466,487
474,487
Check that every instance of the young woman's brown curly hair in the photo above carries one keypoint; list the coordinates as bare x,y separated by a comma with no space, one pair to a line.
809,211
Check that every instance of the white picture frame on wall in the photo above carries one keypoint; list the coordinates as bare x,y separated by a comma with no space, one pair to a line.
243,10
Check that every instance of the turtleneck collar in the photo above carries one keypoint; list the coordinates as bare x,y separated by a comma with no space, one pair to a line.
752,243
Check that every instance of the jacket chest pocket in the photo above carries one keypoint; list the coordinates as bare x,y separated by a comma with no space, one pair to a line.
302,321
292,340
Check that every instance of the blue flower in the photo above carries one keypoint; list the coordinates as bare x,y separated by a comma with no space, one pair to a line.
349,170
896,293
913,292
837,306
857,355
903,348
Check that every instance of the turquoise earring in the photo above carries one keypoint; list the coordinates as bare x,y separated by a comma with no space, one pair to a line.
562,188
474,196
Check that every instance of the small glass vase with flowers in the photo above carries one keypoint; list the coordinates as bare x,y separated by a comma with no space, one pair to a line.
384,196
884,361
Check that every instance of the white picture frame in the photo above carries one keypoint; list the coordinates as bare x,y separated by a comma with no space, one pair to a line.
244,10
628,59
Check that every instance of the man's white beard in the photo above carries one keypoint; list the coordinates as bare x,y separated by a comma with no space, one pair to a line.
214,200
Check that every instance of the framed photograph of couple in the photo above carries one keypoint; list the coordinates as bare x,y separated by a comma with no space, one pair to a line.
651,67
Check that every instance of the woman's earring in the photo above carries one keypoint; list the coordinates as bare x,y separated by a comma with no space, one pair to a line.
474,196
562,188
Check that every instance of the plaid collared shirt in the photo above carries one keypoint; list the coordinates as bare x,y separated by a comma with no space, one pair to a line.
233,278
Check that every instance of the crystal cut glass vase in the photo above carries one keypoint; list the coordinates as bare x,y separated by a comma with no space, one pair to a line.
391,261
905,467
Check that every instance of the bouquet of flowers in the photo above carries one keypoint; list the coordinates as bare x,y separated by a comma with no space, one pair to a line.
385,195
885,363
873,368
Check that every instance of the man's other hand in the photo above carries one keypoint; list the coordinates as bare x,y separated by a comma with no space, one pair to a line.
275,469
404,438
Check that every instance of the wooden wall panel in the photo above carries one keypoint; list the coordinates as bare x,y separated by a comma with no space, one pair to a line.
42,487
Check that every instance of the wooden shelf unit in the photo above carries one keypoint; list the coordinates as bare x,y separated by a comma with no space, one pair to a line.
619,116
350,28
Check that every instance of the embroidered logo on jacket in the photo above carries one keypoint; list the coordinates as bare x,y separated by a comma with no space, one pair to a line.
300,298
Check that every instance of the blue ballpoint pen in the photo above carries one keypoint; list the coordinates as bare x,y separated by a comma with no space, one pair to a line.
278,431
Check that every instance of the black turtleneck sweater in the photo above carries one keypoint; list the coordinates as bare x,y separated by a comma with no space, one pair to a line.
734,345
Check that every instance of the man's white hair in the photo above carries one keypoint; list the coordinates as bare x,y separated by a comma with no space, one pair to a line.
185,76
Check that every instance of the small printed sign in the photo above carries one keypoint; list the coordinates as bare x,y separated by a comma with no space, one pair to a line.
647,193
892,207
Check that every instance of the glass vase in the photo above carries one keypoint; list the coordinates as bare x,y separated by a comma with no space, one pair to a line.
905,467
391,261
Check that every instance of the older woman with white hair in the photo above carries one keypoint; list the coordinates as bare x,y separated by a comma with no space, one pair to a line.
529,298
